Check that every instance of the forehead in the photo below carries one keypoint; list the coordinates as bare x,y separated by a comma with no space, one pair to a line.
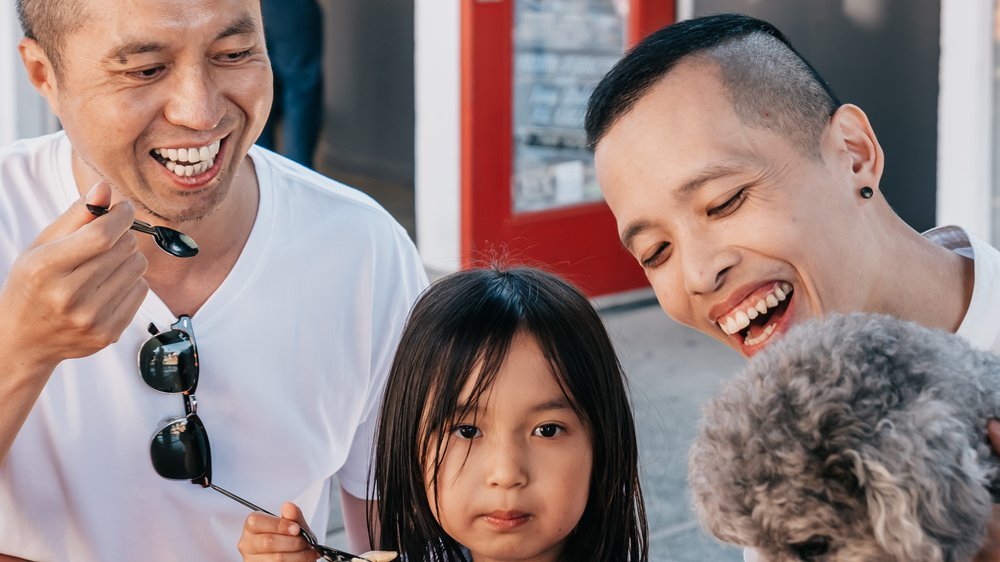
525,376
684,127
116,21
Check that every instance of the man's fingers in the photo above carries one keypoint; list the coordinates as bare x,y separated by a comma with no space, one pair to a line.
77,215
98,273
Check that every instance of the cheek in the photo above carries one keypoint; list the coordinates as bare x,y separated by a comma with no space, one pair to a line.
670,293
255,94
448,494
570,484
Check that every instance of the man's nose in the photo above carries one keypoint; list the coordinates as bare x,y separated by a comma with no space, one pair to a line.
195,100
706,264
507,465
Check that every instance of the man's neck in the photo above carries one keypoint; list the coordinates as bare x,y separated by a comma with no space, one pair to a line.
185,284
924,282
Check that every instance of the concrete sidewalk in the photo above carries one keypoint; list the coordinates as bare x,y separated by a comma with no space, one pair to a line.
672,370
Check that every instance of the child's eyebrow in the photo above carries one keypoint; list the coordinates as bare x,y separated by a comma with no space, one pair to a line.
560,403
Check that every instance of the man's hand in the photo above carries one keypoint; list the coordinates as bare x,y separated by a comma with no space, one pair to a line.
991,548
70,294
75,289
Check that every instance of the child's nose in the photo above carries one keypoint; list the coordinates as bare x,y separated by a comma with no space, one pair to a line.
507,468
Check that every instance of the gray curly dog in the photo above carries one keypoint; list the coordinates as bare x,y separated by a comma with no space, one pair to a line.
855,438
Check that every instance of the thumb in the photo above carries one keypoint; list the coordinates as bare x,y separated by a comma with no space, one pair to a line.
291,512
77,215
99,195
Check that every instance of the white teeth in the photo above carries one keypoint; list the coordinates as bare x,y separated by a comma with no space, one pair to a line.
190,155
741,318
171,165
760,337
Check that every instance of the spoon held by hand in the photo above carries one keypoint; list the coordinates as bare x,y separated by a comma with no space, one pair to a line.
171,241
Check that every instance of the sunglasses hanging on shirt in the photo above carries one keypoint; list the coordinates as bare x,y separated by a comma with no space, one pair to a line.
179,449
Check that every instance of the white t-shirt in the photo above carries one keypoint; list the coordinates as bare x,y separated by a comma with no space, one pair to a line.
294,348
981,324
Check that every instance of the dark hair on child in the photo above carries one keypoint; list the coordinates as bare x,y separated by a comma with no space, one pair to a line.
464,324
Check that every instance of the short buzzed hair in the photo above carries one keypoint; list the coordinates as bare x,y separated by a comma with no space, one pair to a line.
766,80
49,22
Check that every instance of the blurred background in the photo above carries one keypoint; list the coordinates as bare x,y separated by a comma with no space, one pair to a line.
464,119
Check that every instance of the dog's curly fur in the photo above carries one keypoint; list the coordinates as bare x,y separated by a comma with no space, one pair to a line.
855,438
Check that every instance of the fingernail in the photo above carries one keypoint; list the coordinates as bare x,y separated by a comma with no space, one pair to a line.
293,529
93,192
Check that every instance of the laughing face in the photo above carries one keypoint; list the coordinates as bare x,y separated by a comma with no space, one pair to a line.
740,232
162,99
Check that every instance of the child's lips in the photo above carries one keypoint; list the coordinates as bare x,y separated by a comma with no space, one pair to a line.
506,520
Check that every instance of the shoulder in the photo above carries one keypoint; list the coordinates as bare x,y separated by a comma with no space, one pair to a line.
31,185
33,157
309,195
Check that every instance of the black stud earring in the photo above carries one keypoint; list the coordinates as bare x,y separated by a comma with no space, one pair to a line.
867,192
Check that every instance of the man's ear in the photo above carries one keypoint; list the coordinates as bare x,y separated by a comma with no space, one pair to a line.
41,73
850,136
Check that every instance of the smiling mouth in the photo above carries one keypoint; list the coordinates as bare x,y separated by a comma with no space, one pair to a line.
187,162
755,320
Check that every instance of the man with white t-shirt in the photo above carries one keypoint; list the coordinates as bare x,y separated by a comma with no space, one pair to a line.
261,359
750,196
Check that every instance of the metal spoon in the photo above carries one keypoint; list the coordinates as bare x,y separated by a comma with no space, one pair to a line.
171,241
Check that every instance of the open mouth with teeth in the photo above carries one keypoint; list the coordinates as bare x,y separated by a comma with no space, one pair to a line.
756,318
187,162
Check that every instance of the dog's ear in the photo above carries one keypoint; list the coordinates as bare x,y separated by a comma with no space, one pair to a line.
924,485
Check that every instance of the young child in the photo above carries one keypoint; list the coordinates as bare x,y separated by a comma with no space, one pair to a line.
505,430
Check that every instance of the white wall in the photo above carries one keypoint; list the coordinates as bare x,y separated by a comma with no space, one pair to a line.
23,113
965,117
9,34
438,133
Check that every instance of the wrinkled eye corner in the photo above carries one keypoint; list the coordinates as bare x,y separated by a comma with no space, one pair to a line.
807,551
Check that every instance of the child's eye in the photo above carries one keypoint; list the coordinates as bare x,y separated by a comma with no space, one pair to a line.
548,430
467,432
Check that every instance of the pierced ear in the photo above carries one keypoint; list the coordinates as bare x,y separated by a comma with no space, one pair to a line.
853,137
40,71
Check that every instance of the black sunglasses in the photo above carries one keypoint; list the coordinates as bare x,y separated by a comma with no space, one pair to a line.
168,362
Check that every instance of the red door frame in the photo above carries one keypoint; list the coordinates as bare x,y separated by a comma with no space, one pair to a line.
578,242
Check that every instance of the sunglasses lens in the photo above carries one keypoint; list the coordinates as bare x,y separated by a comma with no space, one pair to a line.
169,363
180,450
